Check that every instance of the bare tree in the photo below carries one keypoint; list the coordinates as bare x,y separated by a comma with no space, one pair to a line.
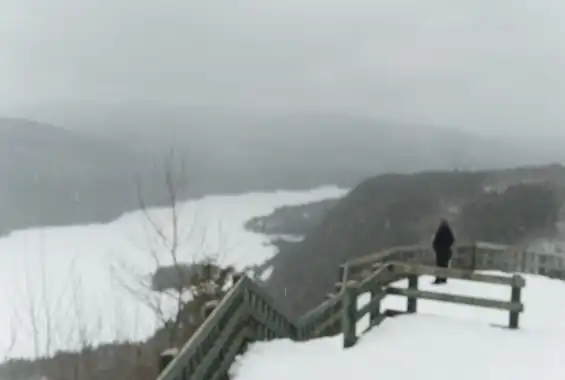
10,344
39,322
200,283
165,243
41,308
12,340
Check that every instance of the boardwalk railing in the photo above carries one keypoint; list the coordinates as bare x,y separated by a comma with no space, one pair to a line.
248,314
514,305
378,285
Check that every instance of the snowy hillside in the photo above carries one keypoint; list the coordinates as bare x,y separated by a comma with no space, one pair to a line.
442,341
62,286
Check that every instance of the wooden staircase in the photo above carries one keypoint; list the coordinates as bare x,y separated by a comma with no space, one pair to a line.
248,314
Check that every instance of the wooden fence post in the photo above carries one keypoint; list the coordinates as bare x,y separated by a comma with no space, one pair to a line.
342,275
349,315
412,303
375,314
515,297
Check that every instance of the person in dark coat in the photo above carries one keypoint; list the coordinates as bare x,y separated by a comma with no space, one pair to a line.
443,241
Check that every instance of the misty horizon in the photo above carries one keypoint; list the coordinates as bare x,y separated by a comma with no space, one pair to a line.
280,138
489,68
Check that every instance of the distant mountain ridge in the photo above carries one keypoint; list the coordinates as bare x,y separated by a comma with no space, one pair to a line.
512,206
79,165
51,176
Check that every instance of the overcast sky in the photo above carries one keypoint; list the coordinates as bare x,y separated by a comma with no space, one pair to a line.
488,65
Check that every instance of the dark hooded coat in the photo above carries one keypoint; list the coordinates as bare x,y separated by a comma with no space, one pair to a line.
443,241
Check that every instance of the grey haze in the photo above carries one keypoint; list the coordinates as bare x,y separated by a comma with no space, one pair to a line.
264,94
490,66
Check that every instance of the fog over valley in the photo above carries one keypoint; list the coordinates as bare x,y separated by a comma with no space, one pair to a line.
273,138
264,95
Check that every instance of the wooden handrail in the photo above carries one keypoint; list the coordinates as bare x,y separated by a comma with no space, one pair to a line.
373,274
453,298
177,365
407,268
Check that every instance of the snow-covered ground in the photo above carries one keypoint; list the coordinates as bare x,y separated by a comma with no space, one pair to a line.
62,286
442,341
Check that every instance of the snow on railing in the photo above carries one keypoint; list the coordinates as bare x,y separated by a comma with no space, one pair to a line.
247,313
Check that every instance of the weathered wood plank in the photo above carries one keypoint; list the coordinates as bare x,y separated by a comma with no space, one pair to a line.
233,351
324,319
371,258
408,269
381,256
343,273
373,304
412,302
175,368
320,309
267,298
269,323
332,320
514,315
377,294
227,332
492,246
349,314
380,271
464,300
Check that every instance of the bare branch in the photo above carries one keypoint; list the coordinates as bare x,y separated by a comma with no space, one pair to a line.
171,237
48,324
12,340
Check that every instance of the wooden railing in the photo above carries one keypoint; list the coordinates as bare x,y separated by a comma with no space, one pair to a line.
516,282
249,314
246,314
378,285
223,333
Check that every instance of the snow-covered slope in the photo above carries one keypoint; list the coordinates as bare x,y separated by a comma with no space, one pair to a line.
59,286
442,341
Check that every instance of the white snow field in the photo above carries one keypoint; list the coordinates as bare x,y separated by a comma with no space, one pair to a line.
441,342
63,287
